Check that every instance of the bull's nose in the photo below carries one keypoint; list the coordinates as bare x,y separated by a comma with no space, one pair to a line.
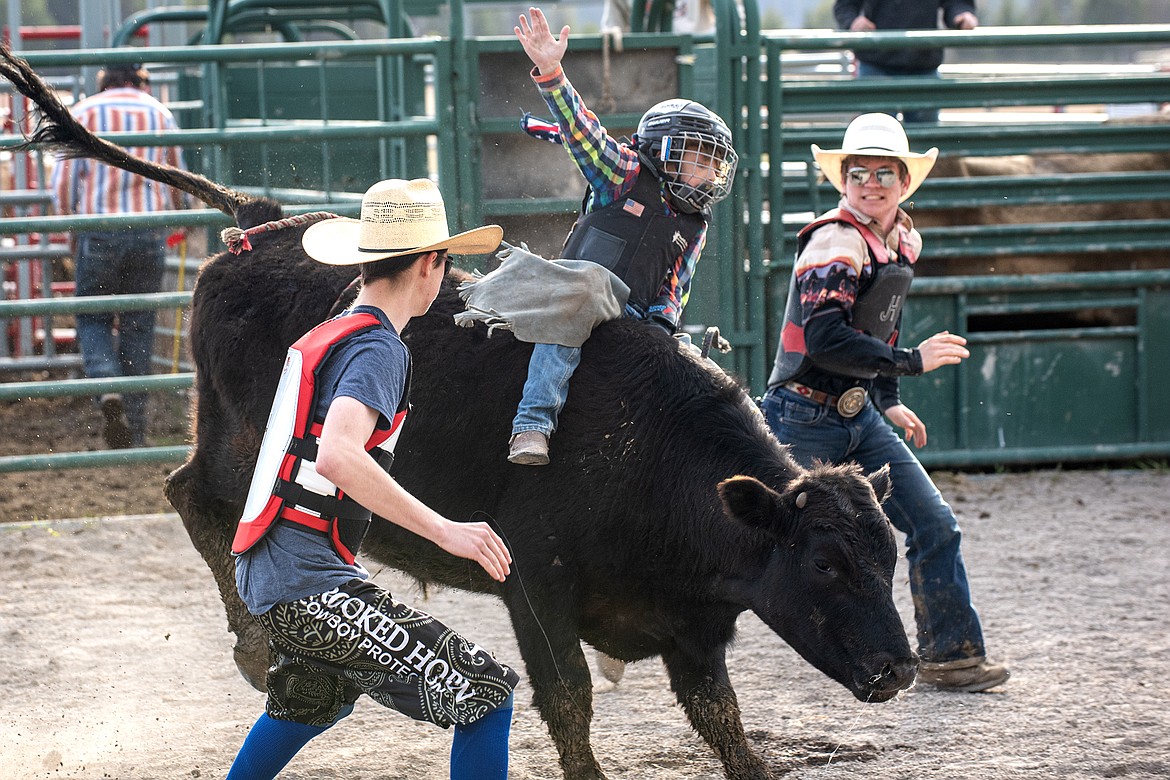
893,675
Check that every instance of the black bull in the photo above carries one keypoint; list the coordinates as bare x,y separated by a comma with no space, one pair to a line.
669,508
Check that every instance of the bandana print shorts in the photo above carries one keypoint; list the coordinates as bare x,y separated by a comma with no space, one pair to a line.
335,646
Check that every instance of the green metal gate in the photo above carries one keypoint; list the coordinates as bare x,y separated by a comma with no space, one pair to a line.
1065,366
1069,357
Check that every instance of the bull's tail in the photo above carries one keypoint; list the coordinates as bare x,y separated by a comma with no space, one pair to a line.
58,131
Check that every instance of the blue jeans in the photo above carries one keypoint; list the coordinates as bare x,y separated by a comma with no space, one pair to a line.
128,261
948,626
865,70
547,388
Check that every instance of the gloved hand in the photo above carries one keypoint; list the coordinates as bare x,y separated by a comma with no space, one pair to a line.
663,323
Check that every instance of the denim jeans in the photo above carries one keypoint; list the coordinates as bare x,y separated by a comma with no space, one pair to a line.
547,388
865,70
948,626
128,261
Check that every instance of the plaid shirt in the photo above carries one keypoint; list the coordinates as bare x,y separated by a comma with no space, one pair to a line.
88,187
611,169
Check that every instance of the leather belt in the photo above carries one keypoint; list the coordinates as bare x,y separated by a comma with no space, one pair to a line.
848,404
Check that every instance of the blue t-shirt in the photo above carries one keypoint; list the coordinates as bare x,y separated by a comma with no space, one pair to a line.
292,562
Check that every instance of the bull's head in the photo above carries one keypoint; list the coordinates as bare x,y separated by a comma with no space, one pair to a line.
826,587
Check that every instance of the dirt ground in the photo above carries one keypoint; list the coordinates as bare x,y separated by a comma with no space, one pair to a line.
43,425
118,662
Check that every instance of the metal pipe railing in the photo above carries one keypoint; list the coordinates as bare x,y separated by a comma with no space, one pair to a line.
298,131
19,391
191,218
983,37
77,460
94,304
330,50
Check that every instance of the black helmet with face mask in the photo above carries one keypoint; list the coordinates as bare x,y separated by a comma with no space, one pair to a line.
678,126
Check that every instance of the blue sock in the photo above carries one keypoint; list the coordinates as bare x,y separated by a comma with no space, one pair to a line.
269,746
479,750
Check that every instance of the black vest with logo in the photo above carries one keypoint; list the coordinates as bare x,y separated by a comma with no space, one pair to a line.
875,312
633,237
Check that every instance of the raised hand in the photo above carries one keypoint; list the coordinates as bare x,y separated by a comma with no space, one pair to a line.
542,48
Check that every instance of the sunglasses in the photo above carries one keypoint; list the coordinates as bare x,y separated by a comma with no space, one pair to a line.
886,177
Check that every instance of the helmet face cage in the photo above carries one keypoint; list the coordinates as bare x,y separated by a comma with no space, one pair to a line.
699,169
692,147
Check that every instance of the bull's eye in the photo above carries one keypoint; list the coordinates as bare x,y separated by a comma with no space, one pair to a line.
824,567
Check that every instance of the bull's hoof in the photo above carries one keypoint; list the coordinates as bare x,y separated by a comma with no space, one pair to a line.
253,665
585,771
747,766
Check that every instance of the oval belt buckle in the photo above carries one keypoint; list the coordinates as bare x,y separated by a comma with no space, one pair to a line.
851,402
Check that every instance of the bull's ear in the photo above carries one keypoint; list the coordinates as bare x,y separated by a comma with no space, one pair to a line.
882,485
750,501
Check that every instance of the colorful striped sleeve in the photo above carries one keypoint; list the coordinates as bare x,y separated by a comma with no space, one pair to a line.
609,167
828,270
676,288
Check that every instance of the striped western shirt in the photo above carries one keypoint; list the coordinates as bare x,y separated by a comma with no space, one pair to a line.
611,169
89,187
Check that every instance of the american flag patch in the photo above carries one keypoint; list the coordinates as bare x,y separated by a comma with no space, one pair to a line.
634,207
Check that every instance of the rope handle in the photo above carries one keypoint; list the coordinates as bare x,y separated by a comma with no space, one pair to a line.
237,240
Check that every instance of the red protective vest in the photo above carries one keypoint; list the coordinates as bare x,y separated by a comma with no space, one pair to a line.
336,515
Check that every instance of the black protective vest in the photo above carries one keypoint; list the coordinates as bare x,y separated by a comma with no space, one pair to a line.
875,312
633,237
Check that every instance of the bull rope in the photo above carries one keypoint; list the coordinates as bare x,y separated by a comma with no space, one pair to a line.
495,525
237,240
524,591
848,731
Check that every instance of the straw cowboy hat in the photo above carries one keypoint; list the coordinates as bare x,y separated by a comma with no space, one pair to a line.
875,135
399,217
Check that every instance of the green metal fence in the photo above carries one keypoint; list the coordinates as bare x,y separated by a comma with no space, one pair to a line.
18,391
1063,367
250,144
993,237
781,187
457,121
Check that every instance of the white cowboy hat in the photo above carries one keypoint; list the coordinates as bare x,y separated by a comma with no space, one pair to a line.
399,217
875,135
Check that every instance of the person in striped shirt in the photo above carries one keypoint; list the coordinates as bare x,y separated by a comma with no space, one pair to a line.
644,216
129,260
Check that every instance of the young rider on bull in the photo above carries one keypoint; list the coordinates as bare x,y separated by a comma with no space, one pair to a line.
644,216
338,409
